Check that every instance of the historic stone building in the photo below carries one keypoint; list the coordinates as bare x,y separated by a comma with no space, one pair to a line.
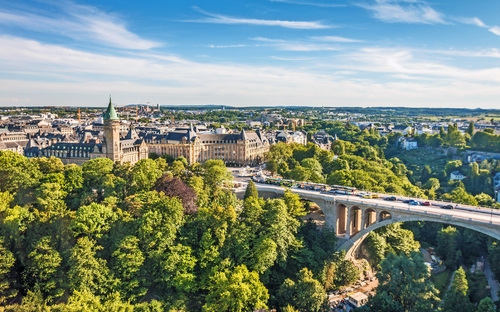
127,149
243,148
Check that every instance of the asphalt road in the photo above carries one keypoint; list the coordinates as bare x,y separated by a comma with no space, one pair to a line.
462,212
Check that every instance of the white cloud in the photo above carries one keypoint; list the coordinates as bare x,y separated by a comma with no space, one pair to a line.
471,21
404,62
79,22
317,4
292,59
413,12
477,22
267,39
223,19
46,74
305,47
334,39
492,53
495,30
300,45
214,46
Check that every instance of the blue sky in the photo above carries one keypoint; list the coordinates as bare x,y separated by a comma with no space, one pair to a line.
250,53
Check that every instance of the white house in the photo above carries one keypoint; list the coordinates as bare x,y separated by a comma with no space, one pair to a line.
358,299
456,175
408,143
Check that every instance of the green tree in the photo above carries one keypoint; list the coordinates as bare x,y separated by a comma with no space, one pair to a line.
73,176
144,175
93,220
7,261
426,174
486,305
95,170
251,190
300,173
178,168
470,129
457,298
452,165
236,290
377,247
460,195
6,199
382,302
494,254
176,269
447,245
49,165
216,174
50,198
42,271
294,204
280,226
432,184
306,294
127,261
87,271
406,280
346,273
17,172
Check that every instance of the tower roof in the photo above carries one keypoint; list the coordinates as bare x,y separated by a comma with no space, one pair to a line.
110,113
243,135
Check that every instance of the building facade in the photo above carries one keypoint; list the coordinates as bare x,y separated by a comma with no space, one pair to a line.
239,149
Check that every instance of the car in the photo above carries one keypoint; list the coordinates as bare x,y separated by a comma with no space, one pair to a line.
413,202
425,203
375,196
362,194
367,196
406,201
447,207
390,198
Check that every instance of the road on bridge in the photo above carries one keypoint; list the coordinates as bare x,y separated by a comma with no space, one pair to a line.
466,213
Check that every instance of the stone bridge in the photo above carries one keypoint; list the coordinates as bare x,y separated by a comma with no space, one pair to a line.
353,218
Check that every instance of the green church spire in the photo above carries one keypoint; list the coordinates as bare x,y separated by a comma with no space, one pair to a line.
110,113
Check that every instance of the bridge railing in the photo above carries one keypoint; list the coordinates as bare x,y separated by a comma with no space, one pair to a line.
444,216
382,205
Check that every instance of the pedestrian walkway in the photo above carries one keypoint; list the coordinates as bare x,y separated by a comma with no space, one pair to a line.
491,281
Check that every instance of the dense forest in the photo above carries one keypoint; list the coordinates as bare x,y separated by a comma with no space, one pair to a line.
155,237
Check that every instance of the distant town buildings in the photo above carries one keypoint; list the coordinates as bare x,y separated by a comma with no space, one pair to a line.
129,148
323,140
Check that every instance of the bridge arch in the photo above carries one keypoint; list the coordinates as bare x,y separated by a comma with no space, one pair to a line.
341,222
369,218
351,245
384,215
355,220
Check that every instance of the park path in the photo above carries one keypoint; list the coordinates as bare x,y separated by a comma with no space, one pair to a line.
491,280
451,281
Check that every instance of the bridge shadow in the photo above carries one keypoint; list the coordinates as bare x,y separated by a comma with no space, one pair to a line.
314,214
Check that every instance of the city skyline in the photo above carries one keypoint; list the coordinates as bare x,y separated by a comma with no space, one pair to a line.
258,53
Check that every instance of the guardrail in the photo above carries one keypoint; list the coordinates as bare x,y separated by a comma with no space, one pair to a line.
354,199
